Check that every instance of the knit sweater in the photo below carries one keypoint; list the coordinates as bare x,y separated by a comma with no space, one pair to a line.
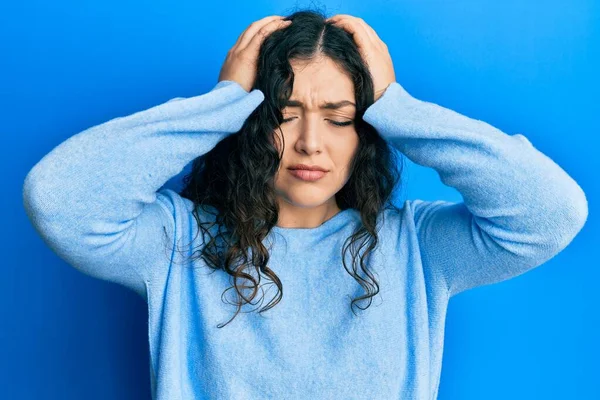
98,202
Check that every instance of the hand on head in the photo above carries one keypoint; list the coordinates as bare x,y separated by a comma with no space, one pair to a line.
240,64
373,50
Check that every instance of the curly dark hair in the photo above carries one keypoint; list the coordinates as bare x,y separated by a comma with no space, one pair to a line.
235,180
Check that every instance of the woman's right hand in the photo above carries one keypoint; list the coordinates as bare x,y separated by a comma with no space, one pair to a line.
240,64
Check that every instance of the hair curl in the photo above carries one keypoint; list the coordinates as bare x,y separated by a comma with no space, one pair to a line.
236,178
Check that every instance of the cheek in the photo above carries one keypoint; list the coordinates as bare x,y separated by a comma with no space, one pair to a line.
348,151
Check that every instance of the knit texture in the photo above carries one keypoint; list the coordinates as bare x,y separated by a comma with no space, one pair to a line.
97,201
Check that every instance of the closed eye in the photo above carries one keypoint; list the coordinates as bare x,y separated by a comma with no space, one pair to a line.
336,123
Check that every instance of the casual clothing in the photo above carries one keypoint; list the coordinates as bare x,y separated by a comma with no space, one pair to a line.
98,202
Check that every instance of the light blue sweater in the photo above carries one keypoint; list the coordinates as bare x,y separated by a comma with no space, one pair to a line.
96,200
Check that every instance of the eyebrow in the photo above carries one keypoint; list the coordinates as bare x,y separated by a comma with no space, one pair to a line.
326,105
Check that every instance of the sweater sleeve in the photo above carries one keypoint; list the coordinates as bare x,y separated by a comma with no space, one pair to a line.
95,198
519,207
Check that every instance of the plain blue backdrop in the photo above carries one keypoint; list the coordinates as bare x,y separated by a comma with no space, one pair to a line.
527,67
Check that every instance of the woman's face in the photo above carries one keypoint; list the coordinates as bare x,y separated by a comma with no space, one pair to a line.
313,138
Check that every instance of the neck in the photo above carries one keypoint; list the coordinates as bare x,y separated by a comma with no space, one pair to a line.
291,216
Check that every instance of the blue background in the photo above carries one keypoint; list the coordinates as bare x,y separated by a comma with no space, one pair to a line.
527,67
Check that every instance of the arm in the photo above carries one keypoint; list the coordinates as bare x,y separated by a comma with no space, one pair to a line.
519,208
94,198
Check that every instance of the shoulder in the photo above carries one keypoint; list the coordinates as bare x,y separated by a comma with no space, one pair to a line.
409,211
185,216
416,214
421,210
179,206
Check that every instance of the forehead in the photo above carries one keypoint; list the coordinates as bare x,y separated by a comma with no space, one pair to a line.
320,80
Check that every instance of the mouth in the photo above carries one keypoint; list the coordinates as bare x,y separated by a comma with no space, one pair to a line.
307,174
308,167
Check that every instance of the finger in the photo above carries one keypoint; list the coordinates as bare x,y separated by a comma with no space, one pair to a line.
359,33
249,32
368,29
374,39
372,34
339,16
263,32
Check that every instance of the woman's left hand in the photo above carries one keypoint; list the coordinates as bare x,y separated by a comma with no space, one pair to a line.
373,50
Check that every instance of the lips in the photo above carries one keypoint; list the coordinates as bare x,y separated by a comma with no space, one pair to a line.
308,167
307,175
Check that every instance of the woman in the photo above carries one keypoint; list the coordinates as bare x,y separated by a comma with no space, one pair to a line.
319,92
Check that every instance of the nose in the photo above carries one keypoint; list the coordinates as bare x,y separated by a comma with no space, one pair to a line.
309,139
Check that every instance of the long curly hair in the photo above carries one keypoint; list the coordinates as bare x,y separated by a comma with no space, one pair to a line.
235,180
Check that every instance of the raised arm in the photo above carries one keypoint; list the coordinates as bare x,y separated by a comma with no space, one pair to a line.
519,207
94,198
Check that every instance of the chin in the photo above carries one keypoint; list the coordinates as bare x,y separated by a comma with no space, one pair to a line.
303,199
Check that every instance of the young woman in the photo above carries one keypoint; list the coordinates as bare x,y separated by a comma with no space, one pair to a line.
291,183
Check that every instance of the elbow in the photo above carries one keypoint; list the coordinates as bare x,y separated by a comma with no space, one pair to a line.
545,229
31,200
578,210
581,206
27,193
38,205
31,192
44,216
555,226
573,216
